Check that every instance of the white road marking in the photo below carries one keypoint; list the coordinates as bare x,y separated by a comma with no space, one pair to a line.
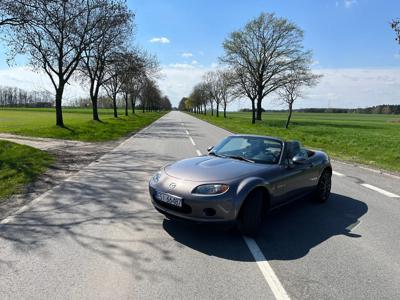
187,132
268,273
193,143
379,190
198,152
338,174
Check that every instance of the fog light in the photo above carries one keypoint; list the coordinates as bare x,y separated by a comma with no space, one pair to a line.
209,212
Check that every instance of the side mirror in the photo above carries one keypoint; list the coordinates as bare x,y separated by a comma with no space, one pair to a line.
299,160
210,148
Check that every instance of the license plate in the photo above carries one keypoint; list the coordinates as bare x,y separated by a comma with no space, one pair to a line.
173,200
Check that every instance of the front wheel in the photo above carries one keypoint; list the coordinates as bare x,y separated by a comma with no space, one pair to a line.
252,215
324,187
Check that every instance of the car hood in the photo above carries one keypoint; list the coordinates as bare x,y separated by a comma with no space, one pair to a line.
212,169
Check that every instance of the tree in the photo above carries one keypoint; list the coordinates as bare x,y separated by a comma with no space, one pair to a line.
8,16
54,36
141,67
395,24
219,84
293,89
200,97
115,79
114,30
261,55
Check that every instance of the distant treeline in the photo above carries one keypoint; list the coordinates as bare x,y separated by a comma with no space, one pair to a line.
16,97
378,109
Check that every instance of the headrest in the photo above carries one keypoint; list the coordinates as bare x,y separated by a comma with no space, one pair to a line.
294,147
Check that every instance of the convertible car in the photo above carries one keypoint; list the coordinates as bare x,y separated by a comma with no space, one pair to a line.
239,180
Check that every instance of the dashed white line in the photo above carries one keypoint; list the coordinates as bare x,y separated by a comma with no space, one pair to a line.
338,174
193,143
379,190
187,132
268,273
198,152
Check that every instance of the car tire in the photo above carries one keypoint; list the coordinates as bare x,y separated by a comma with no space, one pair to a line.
252,215
324,187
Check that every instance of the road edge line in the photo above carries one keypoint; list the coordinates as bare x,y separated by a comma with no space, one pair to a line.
266,269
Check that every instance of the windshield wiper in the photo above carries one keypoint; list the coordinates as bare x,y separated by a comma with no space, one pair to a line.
217,155
240,158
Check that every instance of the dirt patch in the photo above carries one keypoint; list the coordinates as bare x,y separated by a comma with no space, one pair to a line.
71,156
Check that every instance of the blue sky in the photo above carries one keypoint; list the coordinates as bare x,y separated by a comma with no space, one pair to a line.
352,42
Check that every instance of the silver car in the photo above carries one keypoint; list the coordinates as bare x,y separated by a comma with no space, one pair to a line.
239,180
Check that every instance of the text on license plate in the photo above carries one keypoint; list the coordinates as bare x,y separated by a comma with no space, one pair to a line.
176,201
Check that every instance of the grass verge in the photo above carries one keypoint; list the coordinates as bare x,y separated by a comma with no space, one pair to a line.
79,126
368,139
20,165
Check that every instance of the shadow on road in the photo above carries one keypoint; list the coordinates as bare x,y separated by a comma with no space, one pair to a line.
288,233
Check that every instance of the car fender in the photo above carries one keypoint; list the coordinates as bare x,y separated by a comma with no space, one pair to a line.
245,187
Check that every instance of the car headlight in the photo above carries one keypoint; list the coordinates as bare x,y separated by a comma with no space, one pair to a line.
156,178
211,189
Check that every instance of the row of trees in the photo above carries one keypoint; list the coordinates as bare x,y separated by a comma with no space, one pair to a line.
150,99
265,57
12,96
85,39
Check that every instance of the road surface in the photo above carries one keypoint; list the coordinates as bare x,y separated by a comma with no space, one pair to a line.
96,236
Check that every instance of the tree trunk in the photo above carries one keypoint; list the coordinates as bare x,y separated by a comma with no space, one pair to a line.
212,108
95,110
94,95
205,109
126,104
259,107
253,112
217,111
115,106
59,115
289,116
225,110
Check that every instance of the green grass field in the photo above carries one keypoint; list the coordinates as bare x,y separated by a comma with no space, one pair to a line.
20,165
369,139
79,126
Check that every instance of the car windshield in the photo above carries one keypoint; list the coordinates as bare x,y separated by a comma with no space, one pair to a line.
250,149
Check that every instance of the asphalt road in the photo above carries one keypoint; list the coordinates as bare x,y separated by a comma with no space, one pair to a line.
96,236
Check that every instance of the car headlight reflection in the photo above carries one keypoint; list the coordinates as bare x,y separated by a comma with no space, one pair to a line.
211,189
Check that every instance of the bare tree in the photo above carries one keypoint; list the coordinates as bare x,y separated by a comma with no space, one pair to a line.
54,36
114,82
114,29
261,55
294,88
220,88
395,24
141,67
8,16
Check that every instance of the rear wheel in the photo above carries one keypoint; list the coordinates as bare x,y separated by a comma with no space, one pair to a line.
324,187
252,214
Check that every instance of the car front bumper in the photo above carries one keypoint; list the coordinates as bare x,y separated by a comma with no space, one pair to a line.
196,208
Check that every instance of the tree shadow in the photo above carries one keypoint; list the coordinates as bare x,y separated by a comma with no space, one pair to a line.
288,233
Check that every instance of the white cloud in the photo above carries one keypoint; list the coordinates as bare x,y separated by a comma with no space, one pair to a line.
194,62
349,3
178,80
187,54
350,88
160,40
